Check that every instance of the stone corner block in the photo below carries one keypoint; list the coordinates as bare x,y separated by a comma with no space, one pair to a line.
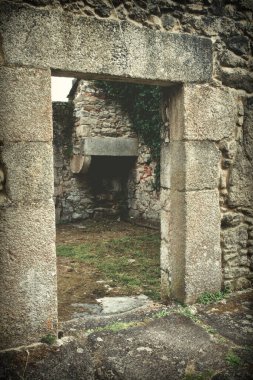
203,112
196,165
28,293
26,111
203,253
195,244
29,171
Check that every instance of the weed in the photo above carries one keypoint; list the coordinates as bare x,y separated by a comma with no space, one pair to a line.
114,260
233,359
184,310
210,330
208,298
48,339
117,326
161,314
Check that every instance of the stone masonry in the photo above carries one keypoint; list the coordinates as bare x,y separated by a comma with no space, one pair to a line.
201,51
129,193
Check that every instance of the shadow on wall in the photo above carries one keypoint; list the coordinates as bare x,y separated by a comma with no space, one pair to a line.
108,178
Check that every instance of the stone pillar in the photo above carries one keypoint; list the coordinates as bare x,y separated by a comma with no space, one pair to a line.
28,293
199,117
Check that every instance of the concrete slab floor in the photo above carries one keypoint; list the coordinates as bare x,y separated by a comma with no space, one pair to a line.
151,342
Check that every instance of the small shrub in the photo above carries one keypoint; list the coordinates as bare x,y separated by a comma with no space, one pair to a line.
233,359
208,298
48,339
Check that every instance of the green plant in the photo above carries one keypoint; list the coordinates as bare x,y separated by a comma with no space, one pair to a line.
184,310
162,313
48,339
233,359
142,103
130,262
208,297
116,326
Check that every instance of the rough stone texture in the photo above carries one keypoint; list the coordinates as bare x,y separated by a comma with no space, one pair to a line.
66,360
210,113
194,233
27,88
203,253
121,50
100,119
165,348
237,202
165,165
28,271
155,342
189,171
110,146
142,54
27,166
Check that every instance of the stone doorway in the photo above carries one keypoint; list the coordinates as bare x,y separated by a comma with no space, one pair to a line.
190,262
119,168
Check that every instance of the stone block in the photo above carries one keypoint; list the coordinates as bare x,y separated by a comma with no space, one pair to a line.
25,112
202,112
195,165
28,294
240,79
29,171
195,244
110,146
75,43
165,166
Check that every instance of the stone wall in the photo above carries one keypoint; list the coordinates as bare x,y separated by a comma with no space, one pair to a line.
112,186
164,42
229,25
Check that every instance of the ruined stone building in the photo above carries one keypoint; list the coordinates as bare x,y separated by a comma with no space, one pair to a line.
118,175
201,52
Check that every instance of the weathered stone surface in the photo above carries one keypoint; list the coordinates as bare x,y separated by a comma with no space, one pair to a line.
189,169
80,163
67,359
165,165
240,181
237,78
202,112
127,51
28,274
195,243
25,113
229,59
29,168
239,44
110,146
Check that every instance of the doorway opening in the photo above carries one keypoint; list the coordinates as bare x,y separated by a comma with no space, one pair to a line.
107,195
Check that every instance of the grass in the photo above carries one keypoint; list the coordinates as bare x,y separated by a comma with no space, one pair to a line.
116,326
208,298
233,359
130,262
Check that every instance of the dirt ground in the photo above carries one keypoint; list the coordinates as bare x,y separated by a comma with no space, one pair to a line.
80,283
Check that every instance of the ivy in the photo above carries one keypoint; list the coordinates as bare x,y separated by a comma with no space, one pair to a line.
142,103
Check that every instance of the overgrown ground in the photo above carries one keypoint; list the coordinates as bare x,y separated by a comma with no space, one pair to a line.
105,258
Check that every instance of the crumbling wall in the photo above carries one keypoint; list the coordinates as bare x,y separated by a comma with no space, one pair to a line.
113,186
229,25
74,37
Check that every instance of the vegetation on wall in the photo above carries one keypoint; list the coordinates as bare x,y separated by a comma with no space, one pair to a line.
142,103
63,115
